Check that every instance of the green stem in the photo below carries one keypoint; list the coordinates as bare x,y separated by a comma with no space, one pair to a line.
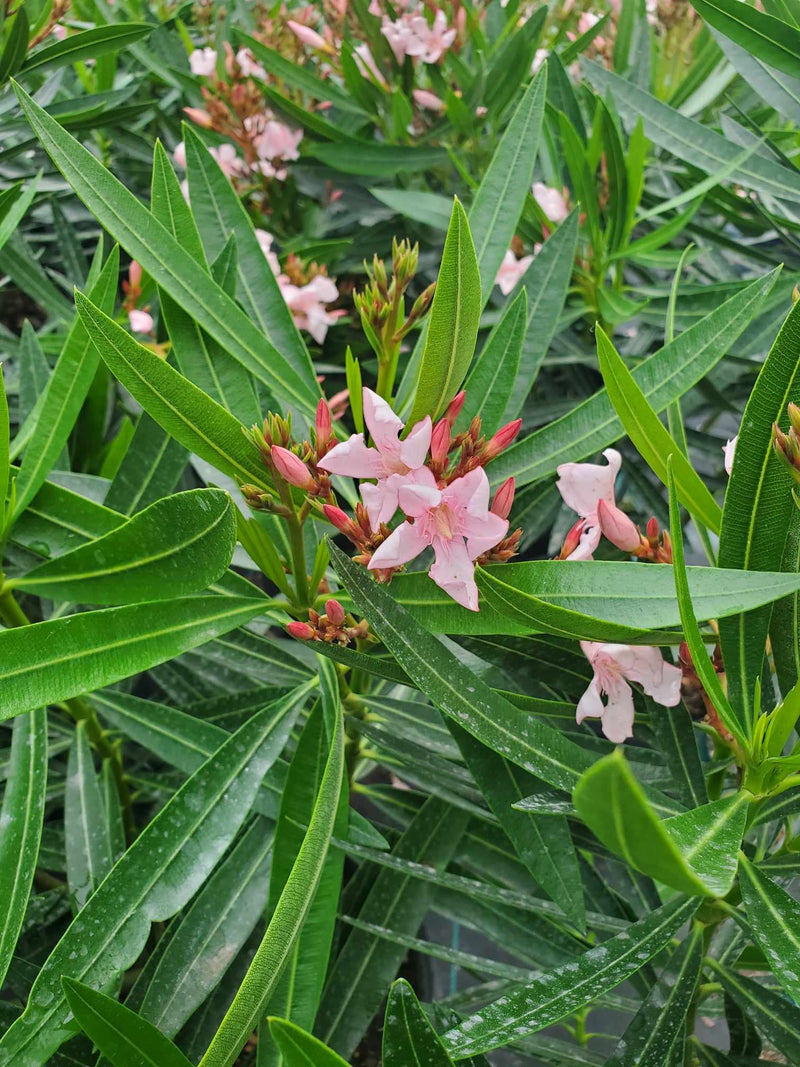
296,545
13,616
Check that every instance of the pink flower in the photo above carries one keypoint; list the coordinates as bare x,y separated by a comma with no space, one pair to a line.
392,462
612,666
551,201
434,40
230,163
582,487
179,155
203,62
60,32
511,270
140,321
307,304
306,35
273,141
586,21
430,101
538,59
401,37
455,521
730,450
265,241
367,65
249,65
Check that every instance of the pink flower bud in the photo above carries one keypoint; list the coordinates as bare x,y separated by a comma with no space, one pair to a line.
334,612
323,423
291,467
617,527
455,406
430,101
135,274
306,34
652,528
199,116
503,499
338,518
301,630
140,321
502,439
572,540
440,441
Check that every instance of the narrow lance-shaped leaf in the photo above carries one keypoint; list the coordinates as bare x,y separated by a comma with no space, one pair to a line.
491,381
775,1016
180,544
5,437
21,818
563,990
774,917
408,1036
170,266
87,844
121,1035
300,1049
452,328
52,661
153,880
294,902
770,39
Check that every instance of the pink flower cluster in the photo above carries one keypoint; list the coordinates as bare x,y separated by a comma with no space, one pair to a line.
452,516
306,302
412,35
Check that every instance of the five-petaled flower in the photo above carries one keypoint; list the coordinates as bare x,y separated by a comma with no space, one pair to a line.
613,666
455,521
392,462
584,487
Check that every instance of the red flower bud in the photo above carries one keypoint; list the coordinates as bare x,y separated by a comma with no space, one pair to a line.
440,442
503,499
455,406
334,612
338,518
617,527
301,630
291,468
652,529
323,423
502,439
572,540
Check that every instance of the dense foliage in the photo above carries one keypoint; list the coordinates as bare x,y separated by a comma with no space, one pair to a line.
400,549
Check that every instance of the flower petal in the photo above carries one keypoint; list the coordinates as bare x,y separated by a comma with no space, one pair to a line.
404,544
380,501
416,500
659,679
590,705
353,458
617,721
415,447
454,572
483,532
582,484
590,539
470,491
381,422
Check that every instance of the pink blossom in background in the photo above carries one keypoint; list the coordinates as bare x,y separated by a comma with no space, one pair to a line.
511,270
249,65
230,163
140,321
203,62
307,36
430,101
60,32
179,155
273,142
455,521
434,40
265,241
729,448
551,201
538,59
582,486
392,462
367,65
307,304
401,37
613,666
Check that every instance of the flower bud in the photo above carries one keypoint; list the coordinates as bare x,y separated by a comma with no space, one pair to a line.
502,439
135,275
334,612
653,529
306,34
430,101
572,540
140,321
794,417
301,630
323,424
291,468
617,527
199,116
455,406
440,442
503,499
339,519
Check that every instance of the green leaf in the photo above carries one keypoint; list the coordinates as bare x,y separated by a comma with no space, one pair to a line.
453,322
458,692
169,265
185,412
5,437
674,736
492,380
775,1016
769,39
179,545
376,160
21,817
300,1049
758,504
16,45
650,437
12,218
65,393
52,661
87,845
784,628
123,1037
662,377
774,918
563,990
86,45
495,211
659,1024
408,1037
221,213
694,852
542,842
688,139
149,470
296,895
154,879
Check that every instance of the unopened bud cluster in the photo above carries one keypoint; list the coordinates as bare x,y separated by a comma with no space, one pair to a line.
380,304
334,627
